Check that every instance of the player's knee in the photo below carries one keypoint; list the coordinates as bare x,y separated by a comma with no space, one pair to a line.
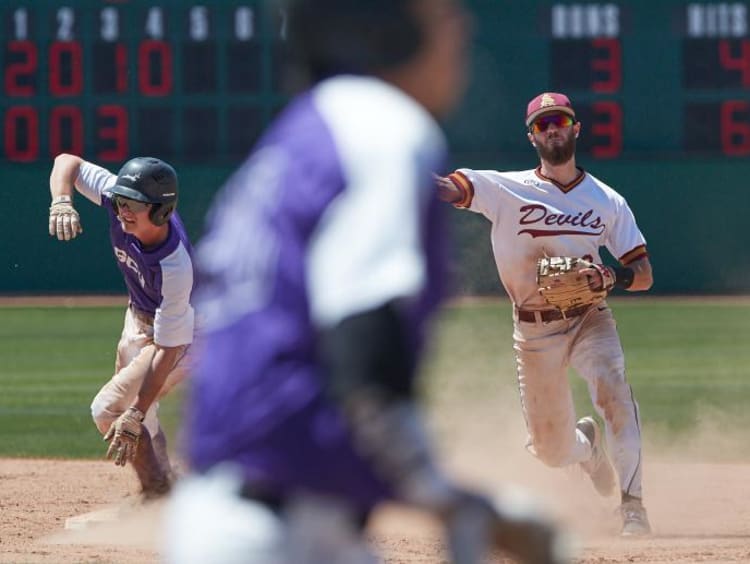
553,459
102,414
549,454
614,400
611,373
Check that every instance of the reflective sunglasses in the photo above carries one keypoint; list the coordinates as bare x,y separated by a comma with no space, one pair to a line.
126,203
559,120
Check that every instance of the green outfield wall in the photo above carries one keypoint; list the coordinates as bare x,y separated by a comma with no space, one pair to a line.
662,90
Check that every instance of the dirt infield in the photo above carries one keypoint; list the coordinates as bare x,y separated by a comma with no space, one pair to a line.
700,513
699,509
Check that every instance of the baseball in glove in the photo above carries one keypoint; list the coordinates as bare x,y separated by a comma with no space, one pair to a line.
571,282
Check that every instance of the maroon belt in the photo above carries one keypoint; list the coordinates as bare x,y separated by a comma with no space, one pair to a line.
547,315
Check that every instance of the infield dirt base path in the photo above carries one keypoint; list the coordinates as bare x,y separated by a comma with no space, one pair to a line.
700,513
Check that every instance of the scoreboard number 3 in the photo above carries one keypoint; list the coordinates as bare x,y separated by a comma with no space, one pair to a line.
109,24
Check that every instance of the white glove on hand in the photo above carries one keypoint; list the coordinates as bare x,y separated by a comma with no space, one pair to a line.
64,222
124,434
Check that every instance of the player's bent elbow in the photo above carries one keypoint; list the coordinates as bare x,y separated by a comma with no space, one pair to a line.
643,276
67,158
642,283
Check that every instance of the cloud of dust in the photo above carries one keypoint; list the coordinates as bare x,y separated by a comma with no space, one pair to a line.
714,436
482,444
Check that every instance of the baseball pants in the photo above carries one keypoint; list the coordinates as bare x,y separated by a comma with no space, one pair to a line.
134,354
590,345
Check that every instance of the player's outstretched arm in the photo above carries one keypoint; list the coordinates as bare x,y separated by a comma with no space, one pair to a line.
64,221
455,189
446,190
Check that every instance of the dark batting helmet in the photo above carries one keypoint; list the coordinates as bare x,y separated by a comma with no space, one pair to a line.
329,37
149,180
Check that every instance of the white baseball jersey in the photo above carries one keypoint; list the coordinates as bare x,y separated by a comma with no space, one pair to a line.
533,216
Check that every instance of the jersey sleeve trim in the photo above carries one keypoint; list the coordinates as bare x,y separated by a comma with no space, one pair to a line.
633,255
464,185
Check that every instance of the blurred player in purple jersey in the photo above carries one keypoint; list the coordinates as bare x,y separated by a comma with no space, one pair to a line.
320,267
153,252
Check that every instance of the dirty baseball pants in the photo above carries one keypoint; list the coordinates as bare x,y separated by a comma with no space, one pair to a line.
134,354
591,346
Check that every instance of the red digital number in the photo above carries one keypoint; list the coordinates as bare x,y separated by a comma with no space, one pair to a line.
117,132
735,133
60,85
56,118
25,68
740,63
18,119
148,51
610,128
609,64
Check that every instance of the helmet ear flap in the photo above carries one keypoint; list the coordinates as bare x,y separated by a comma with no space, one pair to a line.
160,213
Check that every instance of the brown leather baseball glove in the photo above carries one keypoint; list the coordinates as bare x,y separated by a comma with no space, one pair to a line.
571,282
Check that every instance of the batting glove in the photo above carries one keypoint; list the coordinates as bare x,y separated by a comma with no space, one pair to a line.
64,222
124,434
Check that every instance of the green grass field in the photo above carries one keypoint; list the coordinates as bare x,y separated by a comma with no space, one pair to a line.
687,361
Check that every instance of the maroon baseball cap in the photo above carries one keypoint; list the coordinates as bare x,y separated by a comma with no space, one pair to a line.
548,102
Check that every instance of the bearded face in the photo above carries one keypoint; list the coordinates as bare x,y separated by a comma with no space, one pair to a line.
556,146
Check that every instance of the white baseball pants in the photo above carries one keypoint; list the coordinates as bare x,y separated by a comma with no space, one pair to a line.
589,344
134,354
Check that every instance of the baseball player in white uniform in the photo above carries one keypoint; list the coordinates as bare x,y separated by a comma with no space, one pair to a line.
558,209
153,253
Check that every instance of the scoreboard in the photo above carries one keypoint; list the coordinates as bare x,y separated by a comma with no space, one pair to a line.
709,45
197,81
109,80
649,79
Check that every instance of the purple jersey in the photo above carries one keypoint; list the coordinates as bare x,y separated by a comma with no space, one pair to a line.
333,214
159,280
